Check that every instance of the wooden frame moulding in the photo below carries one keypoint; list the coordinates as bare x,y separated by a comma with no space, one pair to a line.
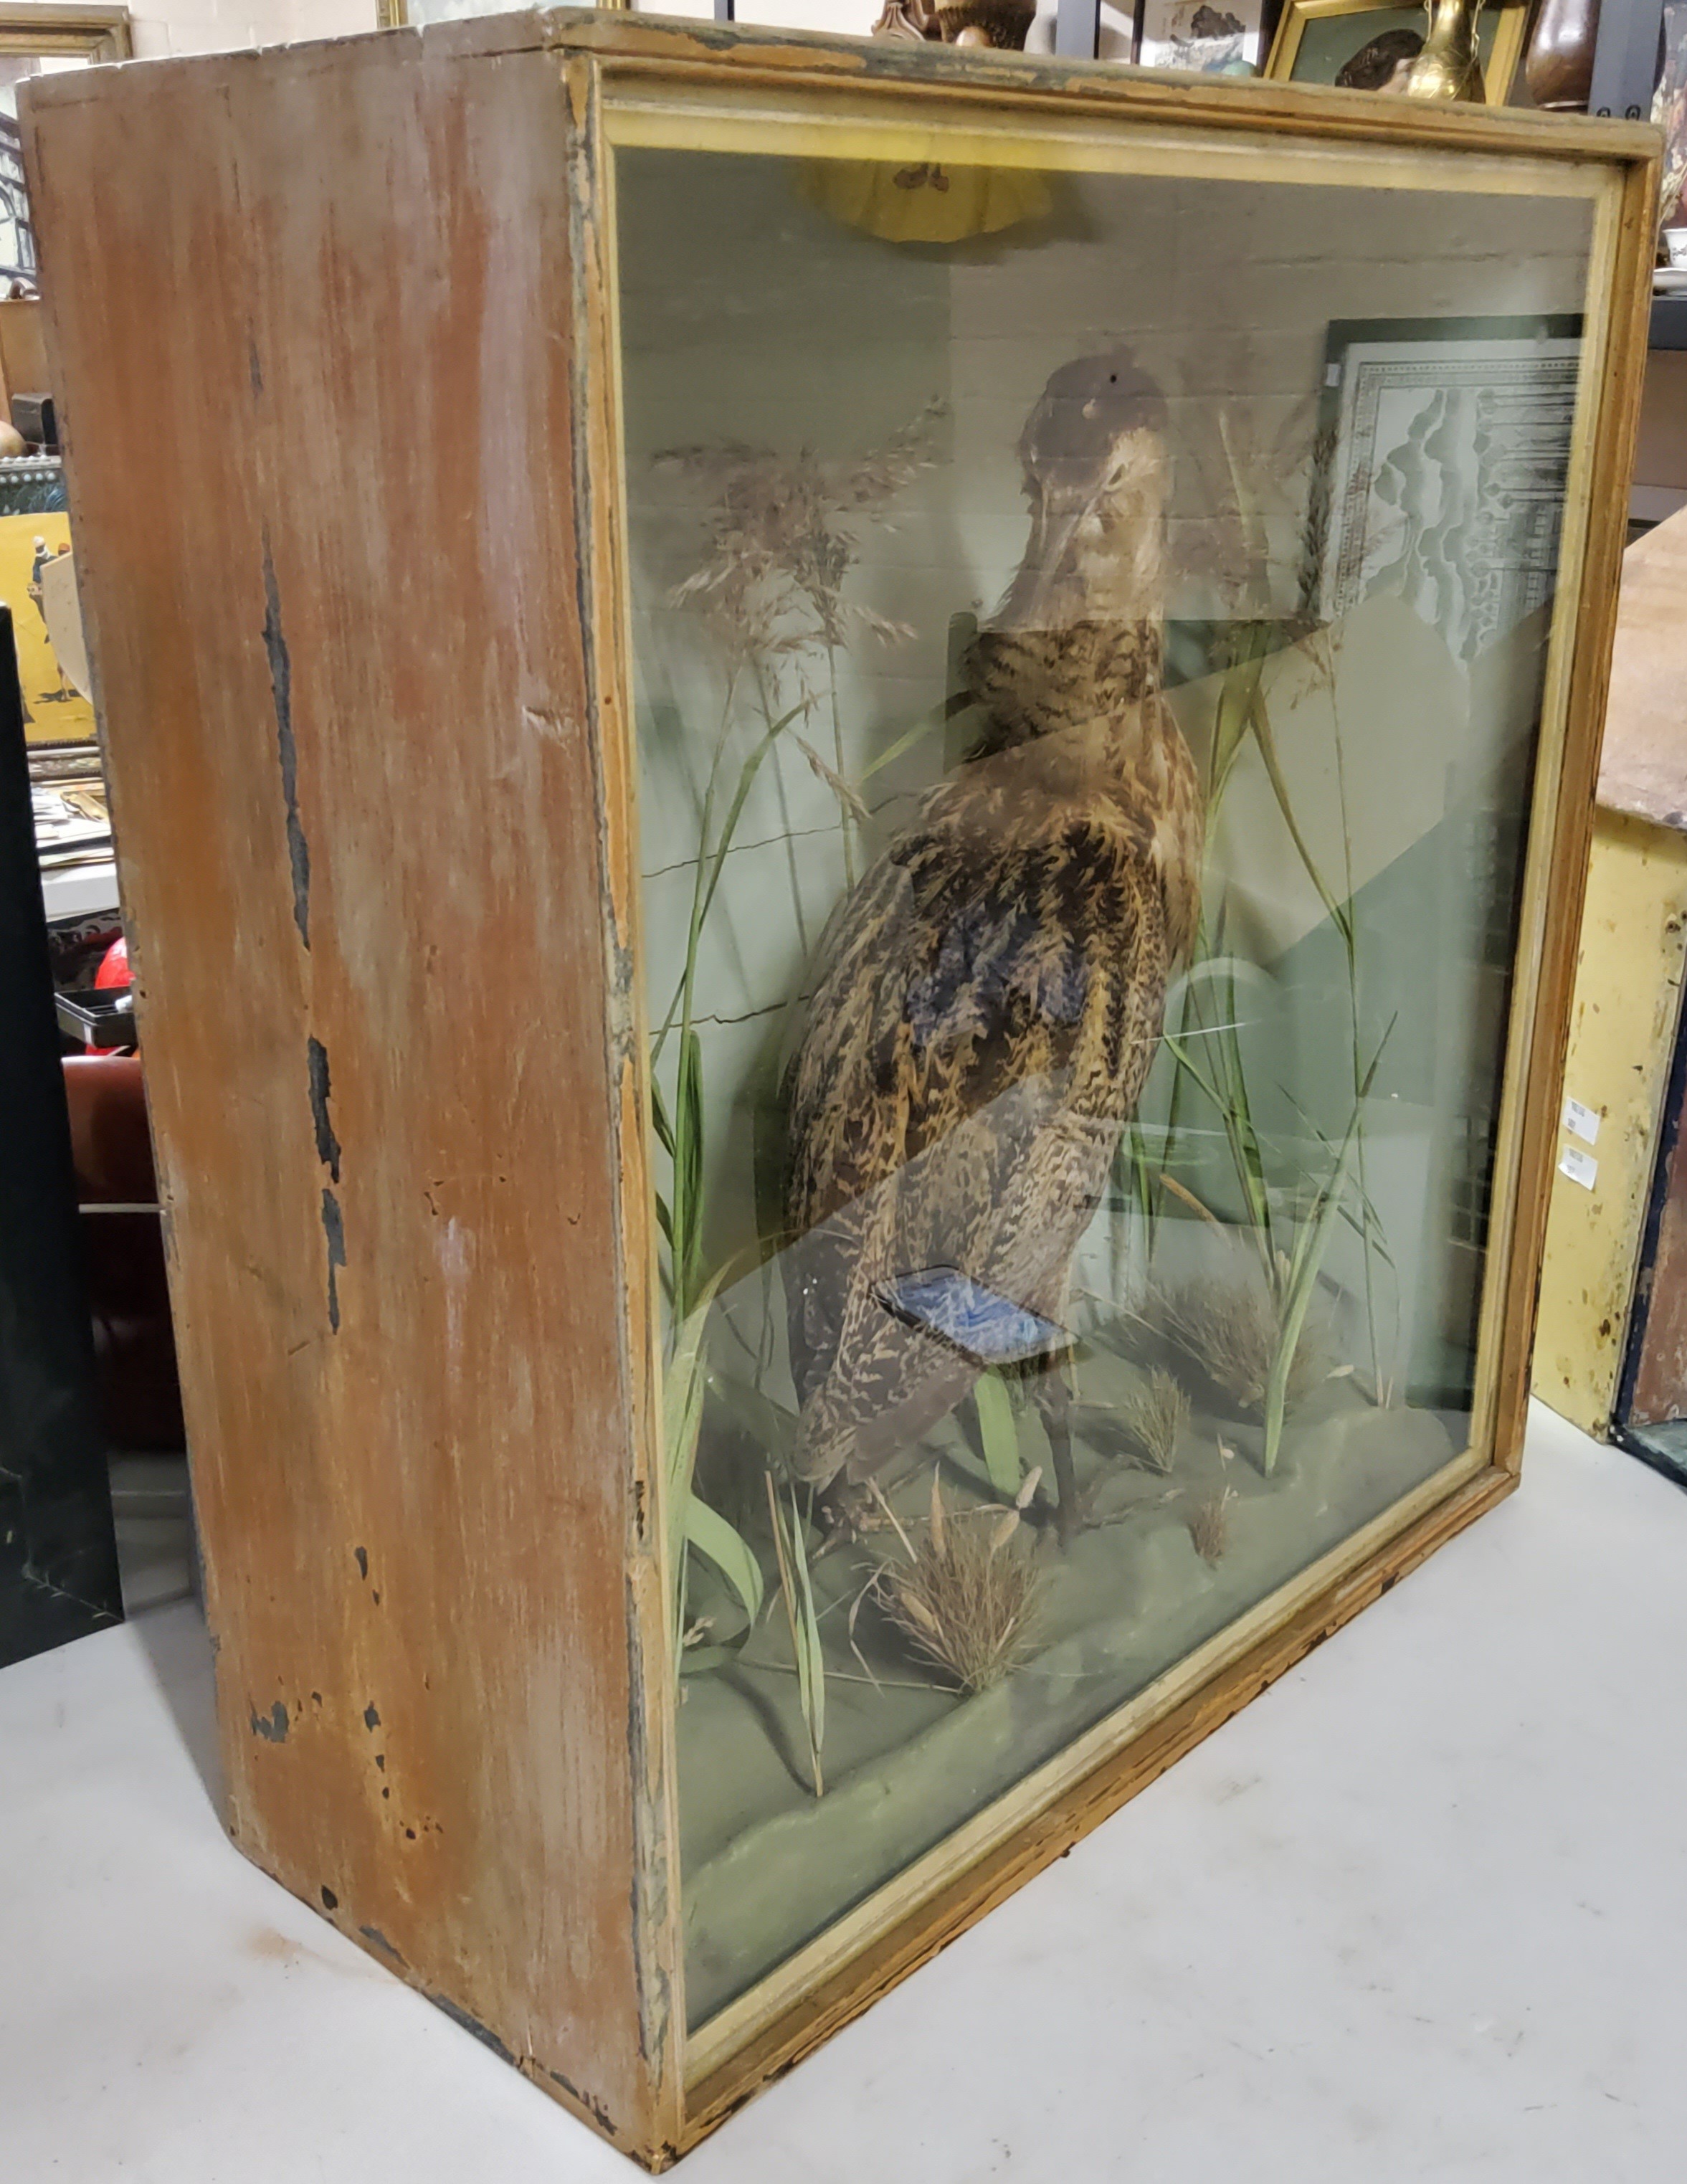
778,2018
476,1813
41,26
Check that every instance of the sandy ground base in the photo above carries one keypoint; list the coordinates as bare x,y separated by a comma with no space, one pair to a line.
767,1865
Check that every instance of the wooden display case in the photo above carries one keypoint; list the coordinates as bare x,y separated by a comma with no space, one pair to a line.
557,706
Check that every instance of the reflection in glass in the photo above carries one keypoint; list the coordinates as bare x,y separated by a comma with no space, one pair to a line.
1089,670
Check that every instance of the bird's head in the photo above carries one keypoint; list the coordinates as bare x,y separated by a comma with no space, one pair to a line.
1096,473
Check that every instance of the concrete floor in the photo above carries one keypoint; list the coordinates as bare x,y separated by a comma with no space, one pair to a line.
1421,1912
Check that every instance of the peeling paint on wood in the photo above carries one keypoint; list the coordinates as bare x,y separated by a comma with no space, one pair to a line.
334,1232
272,1727
589,2101
281,688
327,1144
472,2026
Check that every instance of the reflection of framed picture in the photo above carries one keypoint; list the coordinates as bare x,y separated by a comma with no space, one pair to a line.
36,40
1214,38
1358,46
1444,449
1669,111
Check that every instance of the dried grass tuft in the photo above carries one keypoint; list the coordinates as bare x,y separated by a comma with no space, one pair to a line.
1210,1523
1228,1328
780,538
1154,1411
966,1597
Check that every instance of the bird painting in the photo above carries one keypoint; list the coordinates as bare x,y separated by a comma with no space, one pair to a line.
987,1000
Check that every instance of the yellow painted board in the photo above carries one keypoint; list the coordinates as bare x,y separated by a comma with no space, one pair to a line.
53,710
1622,1032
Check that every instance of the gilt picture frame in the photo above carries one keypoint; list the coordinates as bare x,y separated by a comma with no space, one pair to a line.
1357,45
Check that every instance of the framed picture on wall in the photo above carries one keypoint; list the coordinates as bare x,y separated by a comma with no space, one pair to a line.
1444,446
1356,45
37,40
1213,37
1669,111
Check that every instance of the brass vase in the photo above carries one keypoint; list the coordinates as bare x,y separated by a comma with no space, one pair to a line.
1000,23
1449,66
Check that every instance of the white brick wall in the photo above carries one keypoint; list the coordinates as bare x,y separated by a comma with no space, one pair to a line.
856,17
163,27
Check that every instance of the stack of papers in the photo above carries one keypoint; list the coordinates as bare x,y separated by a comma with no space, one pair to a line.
72,825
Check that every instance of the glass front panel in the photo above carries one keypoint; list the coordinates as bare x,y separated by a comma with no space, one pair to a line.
1089,634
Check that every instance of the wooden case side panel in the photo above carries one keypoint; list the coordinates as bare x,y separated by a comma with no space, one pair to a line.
1622,1029
314,341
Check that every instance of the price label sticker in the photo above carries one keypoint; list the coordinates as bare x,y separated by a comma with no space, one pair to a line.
1581,1122
1581,1168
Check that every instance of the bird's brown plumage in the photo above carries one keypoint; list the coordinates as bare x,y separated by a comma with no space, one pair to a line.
987,999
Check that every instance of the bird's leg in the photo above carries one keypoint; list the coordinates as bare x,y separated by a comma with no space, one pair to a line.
845,1507
845,1511
1052,1394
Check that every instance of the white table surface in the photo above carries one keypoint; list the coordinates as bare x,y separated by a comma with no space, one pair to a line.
1419,1912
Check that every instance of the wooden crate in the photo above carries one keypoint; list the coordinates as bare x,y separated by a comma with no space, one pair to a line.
342,336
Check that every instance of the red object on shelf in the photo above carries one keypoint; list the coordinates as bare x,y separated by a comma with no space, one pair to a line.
114,965
112,976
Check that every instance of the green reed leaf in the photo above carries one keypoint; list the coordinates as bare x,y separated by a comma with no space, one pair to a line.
688,1198
1304,1264
999,1432
723,1545
1259,719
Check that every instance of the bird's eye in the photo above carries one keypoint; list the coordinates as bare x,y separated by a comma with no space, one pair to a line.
1112,379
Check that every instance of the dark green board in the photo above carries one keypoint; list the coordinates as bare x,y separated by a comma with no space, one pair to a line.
57,1558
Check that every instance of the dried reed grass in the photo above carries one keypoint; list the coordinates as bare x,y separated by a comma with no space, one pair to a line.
1229,1329
1210,1523
780,538
966,1597
1154,1411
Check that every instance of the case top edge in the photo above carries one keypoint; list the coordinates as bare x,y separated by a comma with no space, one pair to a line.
617,38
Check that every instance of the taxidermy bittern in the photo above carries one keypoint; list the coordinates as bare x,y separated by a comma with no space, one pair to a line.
987,999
